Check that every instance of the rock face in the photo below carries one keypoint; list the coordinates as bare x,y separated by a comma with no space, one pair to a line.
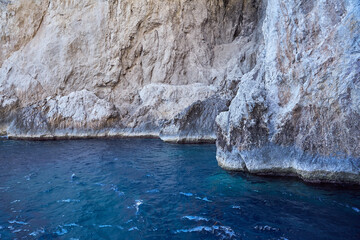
297,112
282,77
136,65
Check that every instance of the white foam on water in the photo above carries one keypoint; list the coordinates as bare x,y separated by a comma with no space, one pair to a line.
132,229
28,177
17,222
11,227
105,226
223,231
17,230
61,231
137,204
68,200
355,209
116,190
15,201
195,229
71,225
186,194
37,232
236,207
195,218
1,227
204,199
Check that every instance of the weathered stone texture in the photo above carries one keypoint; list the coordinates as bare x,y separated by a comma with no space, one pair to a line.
149,60
302,117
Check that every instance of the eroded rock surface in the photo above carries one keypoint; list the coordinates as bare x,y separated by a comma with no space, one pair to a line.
135,64
297,112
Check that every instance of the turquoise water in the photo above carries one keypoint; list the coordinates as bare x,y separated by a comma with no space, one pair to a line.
147,189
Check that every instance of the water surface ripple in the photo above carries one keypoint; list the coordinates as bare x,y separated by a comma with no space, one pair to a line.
147,189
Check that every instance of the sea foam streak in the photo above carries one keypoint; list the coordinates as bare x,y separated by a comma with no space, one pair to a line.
223,231
195,218
186,194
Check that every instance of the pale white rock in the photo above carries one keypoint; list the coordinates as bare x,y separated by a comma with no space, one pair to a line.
146,60
297,112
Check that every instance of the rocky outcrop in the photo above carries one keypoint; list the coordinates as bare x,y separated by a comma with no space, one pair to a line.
297,112
195,124
137,64
282,77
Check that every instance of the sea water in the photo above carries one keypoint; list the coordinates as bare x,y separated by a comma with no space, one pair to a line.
147,189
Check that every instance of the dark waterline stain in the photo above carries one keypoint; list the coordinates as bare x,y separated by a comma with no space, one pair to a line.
147,189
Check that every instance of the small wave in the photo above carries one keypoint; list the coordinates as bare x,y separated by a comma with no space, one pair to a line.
236,207
105,226
116,190
29,176
195,229
4,188
137,204
195,218
1,227
61,231
17,222
355,209
132,229
223,231
266,228
37,232
73,176
186,194
15,201
71,225
153,191
17,230
68,200
204,199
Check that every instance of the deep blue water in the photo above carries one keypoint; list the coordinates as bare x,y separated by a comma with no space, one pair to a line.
147,189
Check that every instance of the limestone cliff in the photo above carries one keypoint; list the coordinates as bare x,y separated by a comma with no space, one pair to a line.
282,77
297,112
129,68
